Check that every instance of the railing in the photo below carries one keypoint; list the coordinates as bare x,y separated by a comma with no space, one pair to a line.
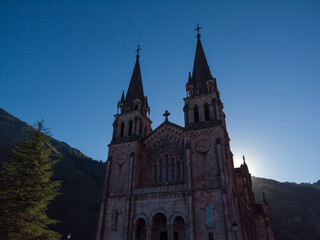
160,189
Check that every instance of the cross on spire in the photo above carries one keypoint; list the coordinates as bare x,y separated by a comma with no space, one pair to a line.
138,50
198,30
166,114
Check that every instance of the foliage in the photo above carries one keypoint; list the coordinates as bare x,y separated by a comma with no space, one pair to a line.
26,189
77,207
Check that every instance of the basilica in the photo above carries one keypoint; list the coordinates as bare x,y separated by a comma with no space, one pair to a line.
178,182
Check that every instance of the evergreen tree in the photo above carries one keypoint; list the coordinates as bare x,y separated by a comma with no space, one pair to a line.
26,189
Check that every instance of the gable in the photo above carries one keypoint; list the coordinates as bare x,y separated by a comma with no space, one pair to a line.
167,138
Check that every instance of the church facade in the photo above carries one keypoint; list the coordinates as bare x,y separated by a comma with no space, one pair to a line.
174,182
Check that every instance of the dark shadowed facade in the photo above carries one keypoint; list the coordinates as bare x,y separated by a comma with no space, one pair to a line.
174,182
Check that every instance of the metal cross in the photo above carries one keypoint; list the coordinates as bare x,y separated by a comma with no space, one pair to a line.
166,114
138,50
198,28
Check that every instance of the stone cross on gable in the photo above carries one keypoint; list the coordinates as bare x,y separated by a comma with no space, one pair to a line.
166,114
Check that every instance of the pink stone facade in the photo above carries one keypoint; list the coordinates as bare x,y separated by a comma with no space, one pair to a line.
174,182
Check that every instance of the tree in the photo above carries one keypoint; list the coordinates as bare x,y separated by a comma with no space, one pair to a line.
26,189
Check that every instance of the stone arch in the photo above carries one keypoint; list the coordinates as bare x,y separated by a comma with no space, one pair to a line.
140,229
159,210
159,229
143,216
178,214
179,228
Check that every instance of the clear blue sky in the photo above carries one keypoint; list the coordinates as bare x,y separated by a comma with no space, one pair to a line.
68,62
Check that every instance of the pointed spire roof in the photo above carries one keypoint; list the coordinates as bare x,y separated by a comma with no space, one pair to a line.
122,97
135,90
201,71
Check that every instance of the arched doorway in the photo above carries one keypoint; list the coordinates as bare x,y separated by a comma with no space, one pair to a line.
141,233
159,227
179,229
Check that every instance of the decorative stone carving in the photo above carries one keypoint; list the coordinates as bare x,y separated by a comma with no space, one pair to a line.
122,158
203,146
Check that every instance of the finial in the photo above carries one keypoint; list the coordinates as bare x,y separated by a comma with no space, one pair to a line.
189,79
198,31
166,114
244,159
138,50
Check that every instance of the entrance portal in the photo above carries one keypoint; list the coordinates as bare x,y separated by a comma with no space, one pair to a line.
141,229
179,229
159,227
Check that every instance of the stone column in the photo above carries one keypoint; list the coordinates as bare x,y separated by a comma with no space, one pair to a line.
134,127
211,109
149,232
170,231
115,129
214,106
190,115
138,127
128,210
189,192
224,197
134,232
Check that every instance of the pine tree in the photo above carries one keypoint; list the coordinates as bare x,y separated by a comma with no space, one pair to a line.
26,189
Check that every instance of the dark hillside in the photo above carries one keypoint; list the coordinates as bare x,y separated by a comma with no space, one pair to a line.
77,207
295,208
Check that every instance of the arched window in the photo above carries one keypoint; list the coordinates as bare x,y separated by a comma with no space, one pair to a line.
161,170
155,173
167,168
173,177
115,218
209,215
196,113
136,106
206,112
130,128
122,129
179,169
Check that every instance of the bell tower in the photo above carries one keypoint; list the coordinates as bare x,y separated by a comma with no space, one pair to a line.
131,125
133,121
207,147
203,106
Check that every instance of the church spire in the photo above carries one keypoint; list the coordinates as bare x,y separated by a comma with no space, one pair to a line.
201,71
135,98
135,90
